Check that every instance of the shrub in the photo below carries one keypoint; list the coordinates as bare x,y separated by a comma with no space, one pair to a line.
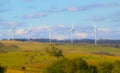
64,65
105,67
93,69
116,68
80,65
58,66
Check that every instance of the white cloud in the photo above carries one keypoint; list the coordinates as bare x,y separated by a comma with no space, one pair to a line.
104,29
11,23
72,9
40,28
37,15
60,37
80,35
20,31
61,25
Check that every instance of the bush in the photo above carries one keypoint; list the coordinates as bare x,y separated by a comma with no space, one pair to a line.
116,67
80,65
105,67
60,66
2,70
93,69
64,65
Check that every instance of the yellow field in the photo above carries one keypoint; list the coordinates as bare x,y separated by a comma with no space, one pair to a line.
40,59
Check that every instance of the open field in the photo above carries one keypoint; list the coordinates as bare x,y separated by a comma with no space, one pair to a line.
30,57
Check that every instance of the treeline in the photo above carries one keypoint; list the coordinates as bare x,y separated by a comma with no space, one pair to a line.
83,41
79,65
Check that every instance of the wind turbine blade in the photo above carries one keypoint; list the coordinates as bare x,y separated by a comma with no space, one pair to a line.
50,34
94,25
29,29
72,28
29,33
95,33
13,32
48,28
72,33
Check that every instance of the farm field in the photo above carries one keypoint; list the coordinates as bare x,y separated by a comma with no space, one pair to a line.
31,57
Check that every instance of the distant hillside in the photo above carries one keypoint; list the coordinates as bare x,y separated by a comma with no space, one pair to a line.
8,48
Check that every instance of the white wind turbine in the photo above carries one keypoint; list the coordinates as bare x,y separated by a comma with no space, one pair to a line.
9,34
50,34
29,33
72,33
13,31
95,33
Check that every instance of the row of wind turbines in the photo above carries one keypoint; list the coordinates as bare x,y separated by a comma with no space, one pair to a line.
94,32
72,31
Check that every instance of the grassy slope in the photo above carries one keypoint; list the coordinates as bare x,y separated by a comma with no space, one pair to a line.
40,59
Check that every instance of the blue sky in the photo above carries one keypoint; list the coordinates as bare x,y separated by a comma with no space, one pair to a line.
60,15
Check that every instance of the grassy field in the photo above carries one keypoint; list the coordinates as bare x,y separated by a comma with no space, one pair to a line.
30,57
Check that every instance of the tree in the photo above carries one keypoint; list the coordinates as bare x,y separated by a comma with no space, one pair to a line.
52,50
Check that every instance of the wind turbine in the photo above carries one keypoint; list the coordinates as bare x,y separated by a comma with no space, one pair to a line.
13,32
71,35
29,33
95,33
50,34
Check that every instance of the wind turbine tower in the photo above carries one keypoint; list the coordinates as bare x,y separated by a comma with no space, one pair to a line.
72,32
29,33
50,34
13,33
95,33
